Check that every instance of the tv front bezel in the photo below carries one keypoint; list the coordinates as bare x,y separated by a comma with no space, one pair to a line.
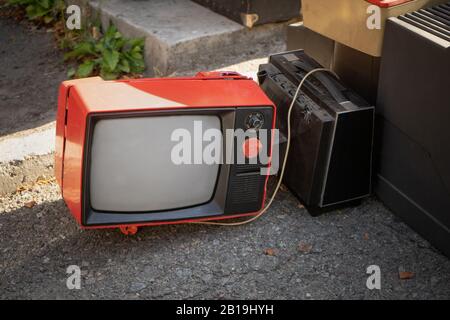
211,209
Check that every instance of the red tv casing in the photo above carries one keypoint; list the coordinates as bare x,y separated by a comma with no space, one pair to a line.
81,98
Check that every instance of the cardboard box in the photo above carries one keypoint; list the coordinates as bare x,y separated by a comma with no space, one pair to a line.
345,21
317,46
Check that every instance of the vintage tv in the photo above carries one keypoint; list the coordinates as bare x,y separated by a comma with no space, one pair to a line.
114,147
330,158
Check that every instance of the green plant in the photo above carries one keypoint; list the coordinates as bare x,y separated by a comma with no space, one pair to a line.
45,10
110,55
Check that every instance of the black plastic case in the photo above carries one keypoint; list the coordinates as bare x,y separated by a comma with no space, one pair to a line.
330,160
413,113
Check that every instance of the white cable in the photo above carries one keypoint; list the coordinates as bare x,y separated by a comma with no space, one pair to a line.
283,167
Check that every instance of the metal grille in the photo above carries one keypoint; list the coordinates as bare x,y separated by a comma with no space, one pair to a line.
435,20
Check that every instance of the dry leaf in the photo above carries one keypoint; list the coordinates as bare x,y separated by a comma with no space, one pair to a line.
21,189
406,275
283,188
269,252
95,33
43,180
39,181
304,247
30,204
366,236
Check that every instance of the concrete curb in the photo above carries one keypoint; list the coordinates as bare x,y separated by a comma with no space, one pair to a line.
26,156
34,142
182,35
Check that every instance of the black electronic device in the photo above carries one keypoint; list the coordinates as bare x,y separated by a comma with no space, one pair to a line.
330,159
412,153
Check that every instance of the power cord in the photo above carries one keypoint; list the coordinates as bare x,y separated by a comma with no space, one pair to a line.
283,167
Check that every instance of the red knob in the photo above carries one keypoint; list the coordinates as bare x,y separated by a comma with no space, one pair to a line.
251,148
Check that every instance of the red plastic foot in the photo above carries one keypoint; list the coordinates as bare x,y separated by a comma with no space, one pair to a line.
129,230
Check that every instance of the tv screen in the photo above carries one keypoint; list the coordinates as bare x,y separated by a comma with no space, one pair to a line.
131,169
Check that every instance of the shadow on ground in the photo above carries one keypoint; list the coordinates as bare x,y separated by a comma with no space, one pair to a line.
194,262
31,70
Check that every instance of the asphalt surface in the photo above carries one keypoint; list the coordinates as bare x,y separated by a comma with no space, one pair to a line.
287,254
31,69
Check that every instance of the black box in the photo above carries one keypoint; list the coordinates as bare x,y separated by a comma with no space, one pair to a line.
357,70
330,160
254,12
413,116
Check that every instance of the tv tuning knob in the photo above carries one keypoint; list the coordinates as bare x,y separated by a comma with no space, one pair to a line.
254,121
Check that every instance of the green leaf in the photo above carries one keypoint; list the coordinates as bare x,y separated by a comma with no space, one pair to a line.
110,33
136,49
100,47
136,65
136,55
119,43
71,72
80,50
85,69
48,19
45,3
35,11
136,43
137,69
109,75
59,5
124,66
111,58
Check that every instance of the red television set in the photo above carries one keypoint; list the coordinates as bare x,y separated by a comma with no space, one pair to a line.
115,147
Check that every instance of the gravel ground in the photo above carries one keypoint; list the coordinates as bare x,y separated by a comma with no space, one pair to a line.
286,254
